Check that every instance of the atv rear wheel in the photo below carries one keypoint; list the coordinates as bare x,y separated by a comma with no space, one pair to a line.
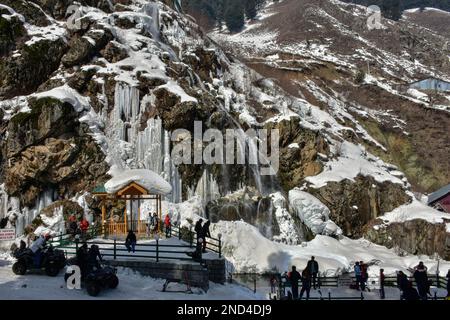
52,270
93,288
19,268
113,282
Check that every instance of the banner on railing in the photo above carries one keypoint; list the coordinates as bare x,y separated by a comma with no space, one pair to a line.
7,234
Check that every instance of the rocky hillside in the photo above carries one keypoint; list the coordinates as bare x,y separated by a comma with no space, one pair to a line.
100,88
326,55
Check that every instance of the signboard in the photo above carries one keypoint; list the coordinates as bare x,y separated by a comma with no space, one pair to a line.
7,234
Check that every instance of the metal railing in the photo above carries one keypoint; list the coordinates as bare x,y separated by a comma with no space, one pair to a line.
212,244
70,243
116,250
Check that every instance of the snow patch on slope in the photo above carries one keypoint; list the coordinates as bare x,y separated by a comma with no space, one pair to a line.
353,161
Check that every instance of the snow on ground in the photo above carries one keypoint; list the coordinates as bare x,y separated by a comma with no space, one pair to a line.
334,256
132,286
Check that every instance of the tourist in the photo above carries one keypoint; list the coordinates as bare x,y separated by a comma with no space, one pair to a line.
421,277
294,277
410,293
93,254
448,284
313,269
402,281
273,284
205,233
168,226
198,228
359,283
149,224
73,224
130,241
84,226
197,254
155,222
364,275
306,283
36,247
82,258
382,278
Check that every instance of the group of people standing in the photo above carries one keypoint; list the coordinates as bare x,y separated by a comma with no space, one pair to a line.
308,278
361,275
78,227
423,283
153,224
202,231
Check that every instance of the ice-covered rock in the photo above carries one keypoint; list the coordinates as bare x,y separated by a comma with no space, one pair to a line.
313,213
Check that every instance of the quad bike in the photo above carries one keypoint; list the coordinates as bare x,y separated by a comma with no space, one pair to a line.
95,279
52,261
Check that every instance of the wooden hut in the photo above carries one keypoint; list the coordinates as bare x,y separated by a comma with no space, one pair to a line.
134,187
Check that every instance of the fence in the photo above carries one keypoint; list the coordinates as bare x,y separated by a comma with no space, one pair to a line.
255,281
70,244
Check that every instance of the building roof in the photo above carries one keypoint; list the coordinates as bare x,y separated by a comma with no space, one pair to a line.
152,182
428,78
435,196
99,189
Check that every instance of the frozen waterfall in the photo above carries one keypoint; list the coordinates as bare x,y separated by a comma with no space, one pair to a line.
130,146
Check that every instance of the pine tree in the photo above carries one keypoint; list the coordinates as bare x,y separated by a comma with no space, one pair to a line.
250,9
234,15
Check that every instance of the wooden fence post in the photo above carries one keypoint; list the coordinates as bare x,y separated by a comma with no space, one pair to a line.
115,244
157,249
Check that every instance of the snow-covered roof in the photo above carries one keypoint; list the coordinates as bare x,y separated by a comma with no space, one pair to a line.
150,180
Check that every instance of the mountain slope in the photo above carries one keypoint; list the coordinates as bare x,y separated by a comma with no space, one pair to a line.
128,74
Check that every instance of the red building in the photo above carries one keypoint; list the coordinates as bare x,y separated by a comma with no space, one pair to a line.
440,200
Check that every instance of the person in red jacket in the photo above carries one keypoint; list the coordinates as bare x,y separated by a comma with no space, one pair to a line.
168,225
84,226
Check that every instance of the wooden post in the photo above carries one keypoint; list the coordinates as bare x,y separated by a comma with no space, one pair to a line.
157,249
103,218
160,213
115,250
126,216
139,217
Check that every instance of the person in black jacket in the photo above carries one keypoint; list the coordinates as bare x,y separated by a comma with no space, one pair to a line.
93,254
130,241
410,293
402,281
313,270
421,277
294,277
306,284
82,258
205,233
448,284
198,228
